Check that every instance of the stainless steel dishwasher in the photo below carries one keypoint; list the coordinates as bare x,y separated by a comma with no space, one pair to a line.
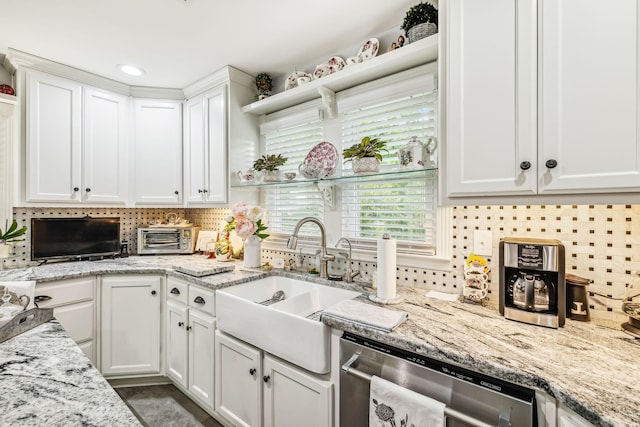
471,399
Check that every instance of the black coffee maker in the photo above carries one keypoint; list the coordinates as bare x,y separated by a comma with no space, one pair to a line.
532,282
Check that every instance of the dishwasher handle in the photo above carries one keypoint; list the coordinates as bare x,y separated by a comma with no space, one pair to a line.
504,421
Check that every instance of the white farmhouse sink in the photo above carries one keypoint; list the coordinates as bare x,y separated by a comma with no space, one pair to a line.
282,328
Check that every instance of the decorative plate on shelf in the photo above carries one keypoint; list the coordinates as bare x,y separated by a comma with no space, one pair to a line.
321,162
336,63
369,49
321,71
292,80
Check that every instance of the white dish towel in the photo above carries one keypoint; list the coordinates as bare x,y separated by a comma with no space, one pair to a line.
393,406
368,315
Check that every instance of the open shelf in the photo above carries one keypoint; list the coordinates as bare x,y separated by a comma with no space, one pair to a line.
383,175
409,56
8,99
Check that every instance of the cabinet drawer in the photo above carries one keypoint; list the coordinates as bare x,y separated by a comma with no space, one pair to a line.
65,292
177,291
202,299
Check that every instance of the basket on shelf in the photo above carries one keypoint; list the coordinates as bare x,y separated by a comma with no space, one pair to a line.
421,31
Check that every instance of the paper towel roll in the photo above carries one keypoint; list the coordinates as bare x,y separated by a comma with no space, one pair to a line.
386,278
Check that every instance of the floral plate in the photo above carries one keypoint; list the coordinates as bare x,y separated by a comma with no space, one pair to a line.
336,63
321,161
292,80
369,49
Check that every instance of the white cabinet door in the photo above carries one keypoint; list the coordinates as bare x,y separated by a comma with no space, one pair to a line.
194,149
216,179
177,342
105,156
293,398
201,332
490,141
158,152
590,114
131,309
54,114
238,380
74,305
206,148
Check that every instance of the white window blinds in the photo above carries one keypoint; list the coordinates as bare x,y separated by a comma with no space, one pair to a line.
293,137
403,205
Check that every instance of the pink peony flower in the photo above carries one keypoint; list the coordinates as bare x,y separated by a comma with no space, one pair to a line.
239,210
245,228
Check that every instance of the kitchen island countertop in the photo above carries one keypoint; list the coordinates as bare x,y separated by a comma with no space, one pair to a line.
45,379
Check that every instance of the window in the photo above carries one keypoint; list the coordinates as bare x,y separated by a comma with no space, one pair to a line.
404,205
292,136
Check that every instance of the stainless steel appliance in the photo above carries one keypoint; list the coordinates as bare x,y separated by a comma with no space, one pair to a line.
532,281
167,240
471,399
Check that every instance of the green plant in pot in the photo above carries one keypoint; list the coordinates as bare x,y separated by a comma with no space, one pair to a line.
267,166
366,155
9,236
420,21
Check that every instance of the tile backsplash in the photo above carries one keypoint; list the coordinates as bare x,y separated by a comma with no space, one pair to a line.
602,242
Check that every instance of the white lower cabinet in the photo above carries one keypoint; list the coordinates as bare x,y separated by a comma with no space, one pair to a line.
190,329
255,389
74,305
131,325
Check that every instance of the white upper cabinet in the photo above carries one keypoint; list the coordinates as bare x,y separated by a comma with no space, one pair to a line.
589,112
105,157
539,99
490,108
158,152
76,142
206,148
54,114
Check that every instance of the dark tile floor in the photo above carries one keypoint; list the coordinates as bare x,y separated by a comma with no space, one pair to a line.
164,406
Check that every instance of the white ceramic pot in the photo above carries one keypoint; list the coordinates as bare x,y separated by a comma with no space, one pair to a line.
252,251
5,251
272,176
365,165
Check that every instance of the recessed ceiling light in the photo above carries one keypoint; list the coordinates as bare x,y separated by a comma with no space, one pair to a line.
131,70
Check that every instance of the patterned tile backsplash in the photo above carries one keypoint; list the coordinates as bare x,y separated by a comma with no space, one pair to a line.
602,242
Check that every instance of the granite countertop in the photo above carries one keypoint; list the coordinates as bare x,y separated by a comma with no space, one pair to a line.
593,370
45,379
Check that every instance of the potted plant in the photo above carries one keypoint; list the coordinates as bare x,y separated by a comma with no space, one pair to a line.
365,155
263,84
268,165
9,236
420,21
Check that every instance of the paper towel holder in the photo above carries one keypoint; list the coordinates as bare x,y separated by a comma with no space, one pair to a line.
375,297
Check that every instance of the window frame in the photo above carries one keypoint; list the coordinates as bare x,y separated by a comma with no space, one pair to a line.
396,85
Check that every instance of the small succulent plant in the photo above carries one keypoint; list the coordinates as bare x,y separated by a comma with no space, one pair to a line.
269,162
368,147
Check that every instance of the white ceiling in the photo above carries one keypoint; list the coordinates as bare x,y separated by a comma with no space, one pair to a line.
178,42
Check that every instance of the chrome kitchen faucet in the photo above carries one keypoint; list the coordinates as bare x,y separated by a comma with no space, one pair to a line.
324,256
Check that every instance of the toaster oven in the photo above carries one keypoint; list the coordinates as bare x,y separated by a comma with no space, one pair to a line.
167,240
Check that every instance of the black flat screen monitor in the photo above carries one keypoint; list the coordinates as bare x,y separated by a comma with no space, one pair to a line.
76,238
